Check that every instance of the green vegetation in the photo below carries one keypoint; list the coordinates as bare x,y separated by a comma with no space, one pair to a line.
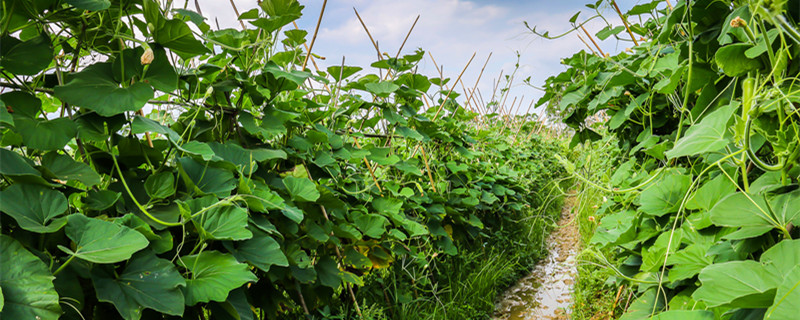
702,199
153,170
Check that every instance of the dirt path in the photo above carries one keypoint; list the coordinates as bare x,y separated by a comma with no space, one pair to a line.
547,292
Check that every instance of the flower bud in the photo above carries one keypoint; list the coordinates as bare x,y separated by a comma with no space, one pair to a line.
147,57
738,22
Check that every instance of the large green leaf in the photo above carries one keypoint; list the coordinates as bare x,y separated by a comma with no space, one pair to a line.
665,195
46,134
161,74
206,178
34,207
733,62
787,297
328,273
63,167
94,88
261,251
101,241
91,5
227,222
26,284
12,164
747,211
146,282
707,136
372,225
141,125
301,189
214,274
160,185
684,315
176,35
743,284
25,57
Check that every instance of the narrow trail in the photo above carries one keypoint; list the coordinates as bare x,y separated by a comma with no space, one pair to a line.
546,293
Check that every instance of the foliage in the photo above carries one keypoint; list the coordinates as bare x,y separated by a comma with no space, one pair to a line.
155,168
705,112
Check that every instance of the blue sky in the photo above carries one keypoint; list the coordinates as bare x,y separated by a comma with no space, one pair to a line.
451,30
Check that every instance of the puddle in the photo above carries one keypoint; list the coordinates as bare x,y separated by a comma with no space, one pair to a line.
546,293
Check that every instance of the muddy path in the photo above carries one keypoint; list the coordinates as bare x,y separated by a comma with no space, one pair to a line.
546,293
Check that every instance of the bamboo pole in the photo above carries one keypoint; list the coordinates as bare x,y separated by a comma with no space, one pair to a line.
595,43
587,44
314,37
624,22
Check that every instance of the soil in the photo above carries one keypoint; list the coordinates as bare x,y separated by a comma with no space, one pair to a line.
546,293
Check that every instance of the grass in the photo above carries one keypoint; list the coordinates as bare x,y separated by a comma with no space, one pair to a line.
593,298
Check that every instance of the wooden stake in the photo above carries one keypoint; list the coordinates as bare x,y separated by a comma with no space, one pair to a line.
587,45
624,22
314,37
451,89
595,43
368,34
427,168
237,15
406,38
371,171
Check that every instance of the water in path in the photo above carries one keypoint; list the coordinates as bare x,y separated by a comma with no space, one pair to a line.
546,292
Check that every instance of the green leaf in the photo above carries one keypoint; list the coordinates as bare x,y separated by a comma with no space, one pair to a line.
101,241
301,189
733,62
207,179
372,225
94,88
224,222
146,282
711,193
382,89
328,273
707,136
46,134
743,284
743,210
684,315
214,274
197,148
293,213
176,35
63,167
12,164
383,156
160,73
25,57
261,251
141,125
26,283
160,185
787,297
665,196
34,207
91,5
688,262
338,73
101,200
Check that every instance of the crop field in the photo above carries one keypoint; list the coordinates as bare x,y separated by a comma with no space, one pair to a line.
154,165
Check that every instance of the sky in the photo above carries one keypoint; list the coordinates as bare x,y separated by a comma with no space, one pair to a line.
451,31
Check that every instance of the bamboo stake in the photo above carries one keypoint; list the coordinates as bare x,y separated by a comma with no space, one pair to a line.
314,37
451,89
406,38
371,171
516,135
237,15
670,5
587,44
625,22
368,33
595,43
427,168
